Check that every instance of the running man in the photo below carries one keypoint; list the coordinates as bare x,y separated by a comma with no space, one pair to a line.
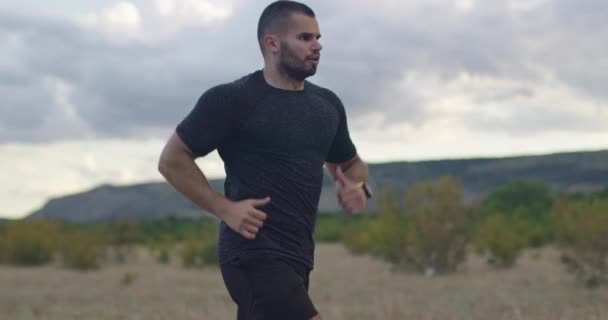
274,131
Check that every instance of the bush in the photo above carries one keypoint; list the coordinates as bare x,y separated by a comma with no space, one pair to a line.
164,256
382,235
534,233
81,250
353,231
330,228
162,248
199,253
3,250
430,237
601,194
361,238
582,233
388,236
497,238
122,235
438,226
200,247
29,243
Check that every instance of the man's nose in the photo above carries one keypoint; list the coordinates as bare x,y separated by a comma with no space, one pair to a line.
317,45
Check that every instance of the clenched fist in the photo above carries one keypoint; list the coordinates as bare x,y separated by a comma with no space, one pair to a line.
244,218
350,194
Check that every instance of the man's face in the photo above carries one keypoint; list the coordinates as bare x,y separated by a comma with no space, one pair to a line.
300,47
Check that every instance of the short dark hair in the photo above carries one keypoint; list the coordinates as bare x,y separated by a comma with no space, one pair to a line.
276,16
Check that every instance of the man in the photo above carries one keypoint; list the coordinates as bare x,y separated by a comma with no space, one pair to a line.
274,131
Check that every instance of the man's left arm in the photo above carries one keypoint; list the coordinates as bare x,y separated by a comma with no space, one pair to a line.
351,177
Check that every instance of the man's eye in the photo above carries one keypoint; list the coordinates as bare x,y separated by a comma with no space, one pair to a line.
306,37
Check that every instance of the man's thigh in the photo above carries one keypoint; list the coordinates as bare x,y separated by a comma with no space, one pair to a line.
267,288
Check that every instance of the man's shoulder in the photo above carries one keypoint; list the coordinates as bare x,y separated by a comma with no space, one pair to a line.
323,92
316,88
246,80
245,90
237,85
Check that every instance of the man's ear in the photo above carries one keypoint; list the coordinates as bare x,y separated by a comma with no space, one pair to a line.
272,43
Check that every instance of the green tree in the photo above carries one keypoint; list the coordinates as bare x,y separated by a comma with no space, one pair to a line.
527,198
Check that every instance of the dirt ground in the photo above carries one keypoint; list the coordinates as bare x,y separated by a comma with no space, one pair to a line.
343,287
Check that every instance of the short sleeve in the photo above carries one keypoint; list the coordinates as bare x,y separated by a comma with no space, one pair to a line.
210,122
342,148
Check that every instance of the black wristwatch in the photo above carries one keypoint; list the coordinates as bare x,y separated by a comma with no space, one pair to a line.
366,189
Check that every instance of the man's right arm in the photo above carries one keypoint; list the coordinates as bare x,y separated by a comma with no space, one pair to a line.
177,165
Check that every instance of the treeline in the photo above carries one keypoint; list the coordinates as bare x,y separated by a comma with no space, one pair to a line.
90,246
428,229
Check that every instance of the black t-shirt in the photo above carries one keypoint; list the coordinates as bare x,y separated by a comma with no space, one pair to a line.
273,143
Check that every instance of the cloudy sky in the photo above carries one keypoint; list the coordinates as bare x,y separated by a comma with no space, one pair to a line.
91,89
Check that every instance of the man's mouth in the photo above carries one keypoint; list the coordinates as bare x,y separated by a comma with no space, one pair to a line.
315,59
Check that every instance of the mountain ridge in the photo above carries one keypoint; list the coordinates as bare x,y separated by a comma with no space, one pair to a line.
566,172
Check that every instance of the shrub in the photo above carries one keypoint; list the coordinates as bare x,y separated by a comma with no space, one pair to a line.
582,229
497,238
360,238
122,235
388,235
330,228
200,247
164,256
29,243
3,250
199,253
438,226
601,194
81,250
430,237
162,248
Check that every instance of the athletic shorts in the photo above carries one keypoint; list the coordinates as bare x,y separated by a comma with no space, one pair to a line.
268,287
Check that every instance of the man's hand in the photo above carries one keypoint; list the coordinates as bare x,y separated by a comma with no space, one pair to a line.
350,194
244,218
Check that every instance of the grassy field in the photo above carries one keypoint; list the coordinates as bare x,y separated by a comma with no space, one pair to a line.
343,286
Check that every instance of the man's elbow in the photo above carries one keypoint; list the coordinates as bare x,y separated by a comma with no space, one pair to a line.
175,155
168,163
164,166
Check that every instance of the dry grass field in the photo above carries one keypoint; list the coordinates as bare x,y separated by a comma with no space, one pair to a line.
343,287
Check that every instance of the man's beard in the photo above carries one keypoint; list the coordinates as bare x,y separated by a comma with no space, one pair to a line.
289,64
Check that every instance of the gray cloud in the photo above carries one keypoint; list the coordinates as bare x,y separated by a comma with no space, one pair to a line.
117,88
140,88
534,120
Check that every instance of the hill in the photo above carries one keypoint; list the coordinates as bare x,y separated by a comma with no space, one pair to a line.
577,172
107,202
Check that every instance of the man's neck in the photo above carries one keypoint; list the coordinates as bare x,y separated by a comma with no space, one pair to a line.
280,80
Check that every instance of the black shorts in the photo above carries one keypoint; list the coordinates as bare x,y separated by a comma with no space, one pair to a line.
268,288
